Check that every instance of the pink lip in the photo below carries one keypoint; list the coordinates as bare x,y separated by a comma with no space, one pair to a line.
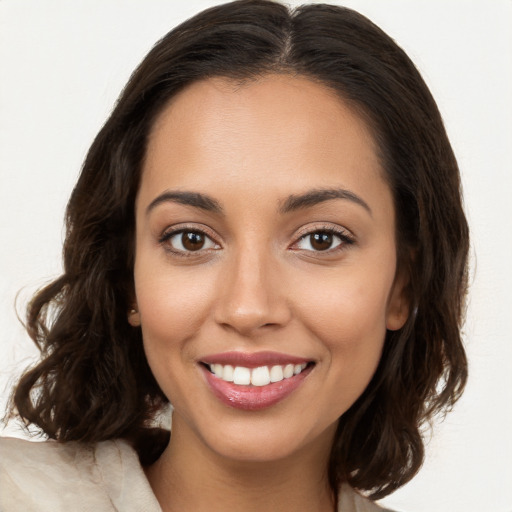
253,398
253,360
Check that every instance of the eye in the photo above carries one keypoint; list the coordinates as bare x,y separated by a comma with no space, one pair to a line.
187,240
323,241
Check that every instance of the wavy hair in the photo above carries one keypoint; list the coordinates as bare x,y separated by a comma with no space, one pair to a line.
93,381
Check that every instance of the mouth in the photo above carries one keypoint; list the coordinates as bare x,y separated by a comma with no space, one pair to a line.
254,382
259,376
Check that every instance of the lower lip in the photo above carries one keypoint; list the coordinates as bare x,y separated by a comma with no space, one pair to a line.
253,398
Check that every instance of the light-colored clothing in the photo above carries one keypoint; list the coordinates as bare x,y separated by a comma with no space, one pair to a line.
104,477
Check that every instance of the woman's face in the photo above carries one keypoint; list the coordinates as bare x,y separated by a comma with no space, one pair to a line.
265,253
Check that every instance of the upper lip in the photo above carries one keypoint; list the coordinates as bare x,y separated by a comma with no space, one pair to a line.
253,359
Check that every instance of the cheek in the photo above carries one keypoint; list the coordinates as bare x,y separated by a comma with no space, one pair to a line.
349,323
346,312
172,306
345,307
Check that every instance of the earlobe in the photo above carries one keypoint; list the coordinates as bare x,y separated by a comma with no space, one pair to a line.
134,317
399,304
397,317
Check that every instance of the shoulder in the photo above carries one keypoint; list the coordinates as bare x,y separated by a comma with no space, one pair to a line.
54,476
351,501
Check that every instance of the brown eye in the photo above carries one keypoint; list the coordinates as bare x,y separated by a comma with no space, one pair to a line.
321,241
188,241
192,240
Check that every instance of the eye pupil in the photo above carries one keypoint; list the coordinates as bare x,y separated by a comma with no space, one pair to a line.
321,241
192,241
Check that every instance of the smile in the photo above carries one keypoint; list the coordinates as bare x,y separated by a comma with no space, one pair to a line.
260,376
254,381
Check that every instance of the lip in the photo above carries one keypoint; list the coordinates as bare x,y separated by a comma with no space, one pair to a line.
253,398
253,360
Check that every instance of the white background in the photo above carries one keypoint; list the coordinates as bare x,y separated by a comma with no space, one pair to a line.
63,63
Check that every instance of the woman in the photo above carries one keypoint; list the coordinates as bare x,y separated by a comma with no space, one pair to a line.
268,233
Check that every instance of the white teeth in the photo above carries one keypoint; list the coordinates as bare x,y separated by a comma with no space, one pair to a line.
288,371
217,370
227,374
276,373
242,376
260,376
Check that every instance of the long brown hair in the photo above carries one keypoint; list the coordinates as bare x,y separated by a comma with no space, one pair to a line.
93,381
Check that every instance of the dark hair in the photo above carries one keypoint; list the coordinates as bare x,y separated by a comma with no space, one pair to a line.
93,382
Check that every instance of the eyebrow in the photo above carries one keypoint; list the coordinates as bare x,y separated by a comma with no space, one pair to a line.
292,203
314,197
195,199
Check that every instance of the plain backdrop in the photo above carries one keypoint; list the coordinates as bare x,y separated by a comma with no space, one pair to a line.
62,65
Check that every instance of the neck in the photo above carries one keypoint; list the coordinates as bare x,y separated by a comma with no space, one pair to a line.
189,476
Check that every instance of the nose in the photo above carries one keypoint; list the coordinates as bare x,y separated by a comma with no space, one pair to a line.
252,294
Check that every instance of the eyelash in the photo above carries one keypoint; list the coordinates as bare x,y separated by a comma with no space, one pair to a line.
344,236
168,235
345,239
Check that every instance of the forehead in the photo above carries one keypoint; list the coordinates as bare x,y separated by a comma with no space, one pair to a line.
280,131
224,111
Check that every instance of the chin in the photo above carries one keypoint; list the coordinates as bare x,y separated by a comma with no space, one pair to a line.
264,438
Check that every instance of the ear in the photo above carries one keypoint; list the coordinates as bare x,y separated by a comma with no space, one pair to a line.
399,302
134,316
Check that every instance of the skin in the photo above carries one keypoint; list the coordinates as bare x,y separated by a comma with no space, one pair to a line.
259,284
